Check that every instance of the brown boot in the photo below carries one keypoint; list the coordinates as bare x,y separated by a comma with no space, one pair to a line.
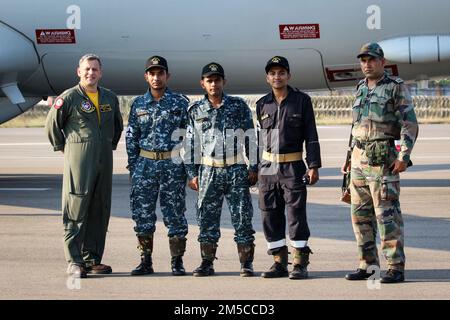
177,249
99,269
300,263
246,253
279,268
208,252
146,248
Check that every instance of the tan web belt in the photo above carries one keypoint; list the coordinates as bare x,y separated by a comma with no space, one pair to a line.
155,155
281,158
220,163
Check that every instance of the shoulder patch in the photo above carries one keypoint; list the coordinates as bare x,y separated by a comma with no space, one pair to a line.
193,105
395,79
262,99
137,100
58,103
360,83
185,97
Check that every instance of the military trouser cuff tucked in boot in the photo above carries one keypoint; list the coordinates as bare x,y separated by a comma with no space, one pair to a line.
208,252
177,248
246,254
145,246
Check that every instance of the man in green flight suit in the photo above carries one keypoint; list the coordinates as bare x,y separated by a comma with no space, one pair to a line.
85,124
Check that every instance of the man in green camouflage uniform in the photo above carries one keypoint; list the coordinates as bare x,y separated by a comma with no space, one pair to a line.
382,113
85,124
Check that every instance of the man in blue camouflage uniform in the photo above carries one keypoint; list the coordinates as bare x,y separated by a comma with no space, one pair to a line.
214,123
382,113
154,125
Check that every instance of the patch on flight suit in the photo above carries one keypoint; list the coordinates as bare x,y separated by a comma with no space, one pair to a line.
265,116
87,107
58,103
105,108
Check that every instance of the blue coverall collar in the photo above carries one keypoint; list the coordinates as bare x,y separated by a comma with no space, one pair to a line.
206,104
149,98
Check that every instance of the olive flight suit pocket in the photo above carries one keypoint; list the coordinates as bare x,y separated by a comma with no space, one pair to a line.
76,206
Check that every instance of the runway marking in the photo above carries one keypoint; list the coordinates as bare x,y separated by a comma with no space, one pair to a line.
25,189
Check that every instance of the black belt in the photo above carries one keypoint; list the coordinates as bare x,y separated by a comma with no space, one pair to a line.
362,144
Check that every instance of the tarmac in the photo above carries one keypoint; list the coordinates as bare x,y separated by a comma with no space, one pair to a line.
31,249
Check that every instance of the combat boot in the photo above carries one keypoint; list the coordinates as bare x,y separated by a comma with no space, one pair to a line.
393,276
246,253
208,252
360,274
146,248
300,263
177,249
279,268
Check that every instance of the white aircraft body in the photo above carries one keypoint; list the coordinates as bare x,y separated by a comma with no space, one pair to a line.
42,41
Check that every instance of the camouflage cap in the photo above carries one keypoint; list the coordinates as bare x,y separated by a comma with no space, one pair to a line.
156,61
371,49
213,68
277,61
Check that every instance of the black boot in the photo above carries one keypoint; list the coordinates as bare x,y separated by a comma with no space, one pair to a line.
146,248
208,252
177,249
393,276
145,267
246,253
300,263
279,268
177,266
205,269
360,274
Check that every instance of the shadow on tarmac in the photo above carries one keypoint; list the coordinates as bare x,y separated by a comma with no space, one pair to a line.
411,275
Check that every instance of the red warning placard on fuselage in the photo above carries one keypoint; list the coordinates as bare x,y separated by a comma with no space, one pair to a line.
55,36
299,31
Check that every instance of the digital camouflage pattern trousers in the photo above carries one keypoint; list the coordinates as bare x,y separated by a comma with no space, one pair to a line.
215,184
166,179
